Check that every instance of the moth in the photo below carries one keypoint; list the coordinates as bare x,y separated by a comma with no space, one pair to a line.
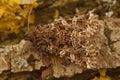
79,39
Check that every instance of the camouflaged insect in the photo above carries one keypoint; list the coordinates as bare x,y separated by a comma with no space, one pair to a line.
78,39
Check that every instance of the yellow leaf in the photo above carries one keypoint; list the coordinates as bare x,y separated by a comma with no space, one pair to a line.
56,14
16,1
105,78
95,78
24,13
12,2
102,72
34,4
12,28
13,16
3,1
2,11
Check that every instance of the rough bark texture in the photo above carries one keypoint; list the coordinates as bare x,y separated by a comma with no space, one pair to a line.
26,59
98,40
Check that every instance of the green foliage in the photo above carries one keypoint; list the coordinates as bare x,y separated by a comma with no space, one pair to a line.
14,15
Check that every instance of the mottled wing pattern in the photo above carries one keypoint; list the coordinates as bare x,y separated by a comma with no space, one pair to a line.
78,39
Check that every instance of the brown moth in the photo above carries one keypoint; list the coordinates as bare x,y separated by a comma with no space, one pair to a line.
79,39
